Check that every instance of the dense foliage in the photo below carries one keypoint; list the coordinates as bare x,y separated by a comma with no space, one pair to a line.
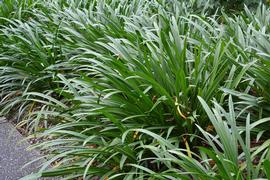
236,5
122,89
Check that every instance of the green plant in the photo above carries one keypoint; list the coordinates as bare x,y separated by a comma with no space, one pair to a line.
111,87
15,9
30,58
231,153
237,5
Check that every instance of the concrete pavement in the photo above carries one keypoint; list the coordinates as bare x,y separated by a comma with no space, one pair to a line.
13,153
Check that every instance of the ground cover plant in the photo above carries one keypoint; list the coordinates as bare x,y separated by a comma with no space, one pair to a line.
144,89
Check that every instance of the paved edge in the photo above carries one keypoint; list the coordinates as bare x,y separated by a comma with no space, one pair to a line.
14,154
